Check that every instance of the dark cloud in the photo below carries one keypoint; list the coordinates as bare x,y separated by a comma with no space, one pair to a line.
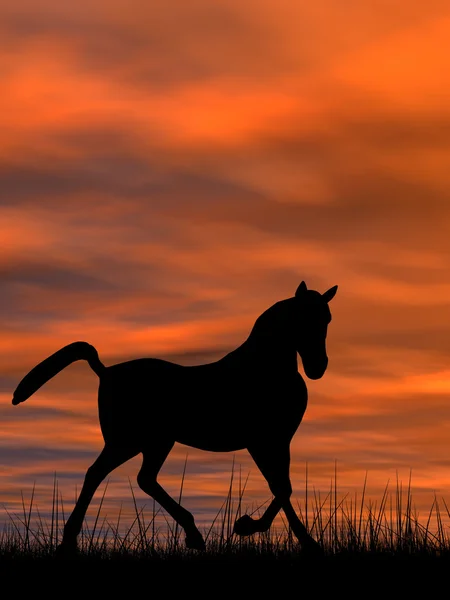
8,384
114,175
33,456
34,291
53,277
33,413
158,45
402,418
392,132
426,339
152,188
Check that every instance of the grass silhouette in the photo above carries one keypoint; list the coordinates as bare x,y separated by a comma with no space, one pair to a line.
368,546
343,525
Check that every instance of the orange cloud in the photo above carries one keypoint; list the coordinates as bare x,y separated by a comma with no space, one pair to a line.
166,180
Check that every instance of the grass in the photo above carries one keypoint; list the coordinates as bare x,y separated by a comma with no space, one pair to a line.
354,532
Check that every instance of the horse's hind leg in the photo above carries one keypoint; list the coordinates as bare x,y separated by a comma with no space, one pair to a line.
154,457
109,459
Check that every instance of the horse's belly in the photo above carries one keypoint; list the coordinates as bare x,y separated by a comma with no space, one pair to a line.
212,430
213,443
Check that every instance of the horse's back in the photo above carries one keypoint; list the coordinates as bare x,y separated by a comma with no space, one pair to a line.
148,378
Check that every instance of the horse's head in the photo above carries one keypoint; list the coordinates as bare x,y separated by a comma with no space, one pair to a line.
314,314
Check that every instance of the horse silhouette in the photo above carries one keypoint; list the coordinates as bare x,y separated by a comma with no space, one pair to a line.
253,398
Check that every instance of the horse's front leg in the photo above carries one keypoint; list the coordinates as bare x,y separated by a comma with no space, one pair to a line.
273,460
155,454
247,525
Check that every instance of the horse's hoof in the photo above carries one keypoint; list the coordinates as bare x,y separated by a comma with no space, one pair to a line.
195,541
312,548
245,526
67,550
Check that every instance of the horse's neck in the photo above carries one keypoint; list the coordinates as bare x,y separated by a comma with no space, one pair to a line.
269,341
273,326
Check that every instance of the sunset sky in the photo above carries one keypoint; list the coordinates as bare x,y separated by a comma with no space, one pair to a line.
169,170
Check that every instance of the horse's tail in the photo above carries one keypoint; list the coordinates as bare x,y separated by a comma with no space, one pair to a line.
55,363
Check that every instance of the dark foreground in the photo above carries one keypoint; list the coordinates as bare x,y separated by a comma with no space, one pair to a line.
357,575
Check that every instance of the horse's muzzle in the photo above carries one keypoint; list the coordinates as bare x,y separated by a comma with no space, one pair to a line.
316,369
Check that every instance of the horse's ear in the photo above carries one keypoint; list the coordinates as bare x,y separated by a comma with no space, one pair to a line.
301,290
330,294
